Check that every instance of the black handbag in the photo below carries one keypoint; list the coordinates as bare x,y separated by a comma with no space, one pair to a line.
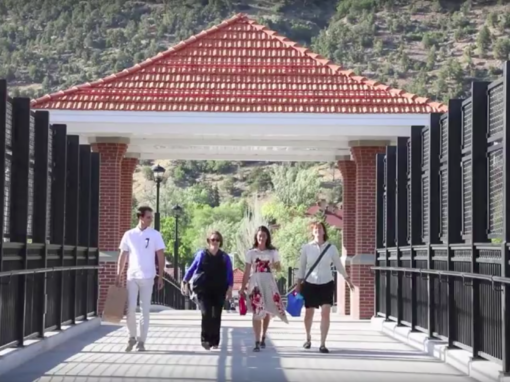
197,282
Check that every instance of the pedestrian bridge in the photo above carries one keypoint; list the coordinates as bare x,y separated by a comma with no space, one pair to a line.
359,352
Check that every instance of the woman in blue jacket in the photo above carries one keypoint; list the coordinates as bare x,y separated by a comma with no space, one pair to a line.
214,278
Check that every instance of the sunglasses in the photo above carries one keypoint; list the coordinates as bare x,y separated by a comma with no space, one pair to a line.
214,240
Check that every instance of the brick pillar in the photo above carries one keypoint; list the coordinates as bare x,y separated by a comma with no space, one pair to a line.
363,298
126,193
347,168
111,151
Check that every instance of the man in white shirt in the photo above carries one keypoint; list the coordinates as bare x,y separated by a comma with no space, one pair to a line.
138,248
319,287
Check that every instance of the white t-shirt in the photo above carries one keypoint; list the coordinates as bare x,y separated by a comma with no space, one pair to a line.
270,255
142,246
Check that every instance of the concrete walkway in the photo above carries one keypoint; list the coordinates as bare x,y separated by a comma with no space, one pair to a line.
358,353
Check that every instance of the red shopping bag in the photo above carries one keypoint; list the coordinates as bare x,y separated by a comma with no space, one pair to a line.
243,309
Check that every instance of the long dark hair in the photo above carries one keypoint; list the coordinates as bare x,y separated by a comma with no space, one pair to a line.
264,229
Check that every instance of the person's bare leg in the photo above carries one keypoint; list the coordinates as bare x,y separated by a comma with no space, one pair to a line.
325,320
257,328
309,312
265,326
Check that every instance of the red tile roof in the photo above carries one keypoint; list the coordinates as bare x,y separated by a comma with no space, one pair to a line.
238,66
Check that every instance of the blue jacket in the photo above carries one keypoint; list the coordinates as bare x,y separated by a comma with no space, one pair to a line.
198,258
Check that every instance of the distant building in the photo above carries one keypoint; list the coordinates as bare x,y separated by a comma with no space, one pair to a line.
238,280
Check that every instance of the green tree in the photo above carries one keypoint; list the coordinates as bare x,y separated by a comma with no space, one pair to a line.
290,237
483,40
167,230
252,219
294,187
228,185
215,201
502,48
431,58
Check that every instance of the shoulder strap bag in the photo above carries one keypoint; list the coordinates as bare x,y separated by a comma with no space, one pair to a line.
197,282
317,262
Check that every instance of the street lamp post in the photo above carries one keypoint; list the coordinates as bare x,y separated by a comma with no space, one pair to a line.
158,172
177,211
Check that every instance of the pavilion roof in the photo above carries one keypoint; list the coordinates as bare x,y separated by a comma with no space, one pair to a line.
238,66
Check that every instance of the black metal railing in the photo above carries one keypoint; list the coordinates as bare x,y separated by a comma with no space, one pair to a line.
48,253
44,308
170,296
443,240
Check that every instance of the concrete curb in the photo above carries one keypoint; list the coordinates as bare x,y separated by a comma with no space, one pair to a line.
481,370
13,357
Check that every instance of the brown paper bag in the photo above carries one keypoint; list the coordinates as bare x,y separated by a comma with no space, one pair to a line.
115,304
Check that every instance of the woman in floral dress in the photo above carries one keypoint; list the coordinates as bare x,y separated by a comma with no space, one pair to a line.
263,297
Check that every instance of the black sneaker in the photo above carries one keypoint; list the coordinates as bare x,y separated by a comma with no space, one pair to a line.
263,343
307,344
206,345
323,349
257,347
131,344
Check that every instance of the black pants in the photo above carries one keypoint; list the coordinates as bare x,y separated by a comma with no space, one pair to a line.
211,305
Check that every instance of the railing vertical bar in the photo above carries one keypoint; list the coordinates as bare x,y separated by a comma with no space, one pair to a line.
401,215
415,213
379,224
389,240
454,189
39,228
3,149
94,221
432,174
19,204
58,207
478,191
505,256
84,221
72,212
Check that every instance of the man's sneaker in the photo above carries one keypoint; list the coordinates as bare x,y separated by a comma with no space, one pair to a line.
131,343
140,346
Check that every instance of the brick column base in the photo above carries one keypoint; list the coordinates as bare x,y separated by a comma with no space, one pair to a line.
344,295
111,151
128,166
107,274
363,297
347,168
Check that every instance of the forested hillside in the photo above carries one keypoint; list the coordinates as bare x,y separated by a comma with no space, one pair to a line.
432,48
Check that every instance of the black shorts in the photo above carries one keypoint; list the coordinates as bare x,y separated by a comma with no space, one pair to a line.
316,295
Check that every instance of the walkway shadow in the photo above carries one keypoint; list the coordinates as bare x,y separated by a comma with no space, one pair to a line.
246,365
42,364
175,355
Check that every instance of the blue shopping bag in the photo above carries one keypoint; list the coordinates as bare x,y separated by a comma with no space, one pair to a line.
294,304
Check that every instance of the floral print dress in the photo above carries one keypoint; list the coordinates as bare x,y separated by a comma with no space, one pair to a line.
263,295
